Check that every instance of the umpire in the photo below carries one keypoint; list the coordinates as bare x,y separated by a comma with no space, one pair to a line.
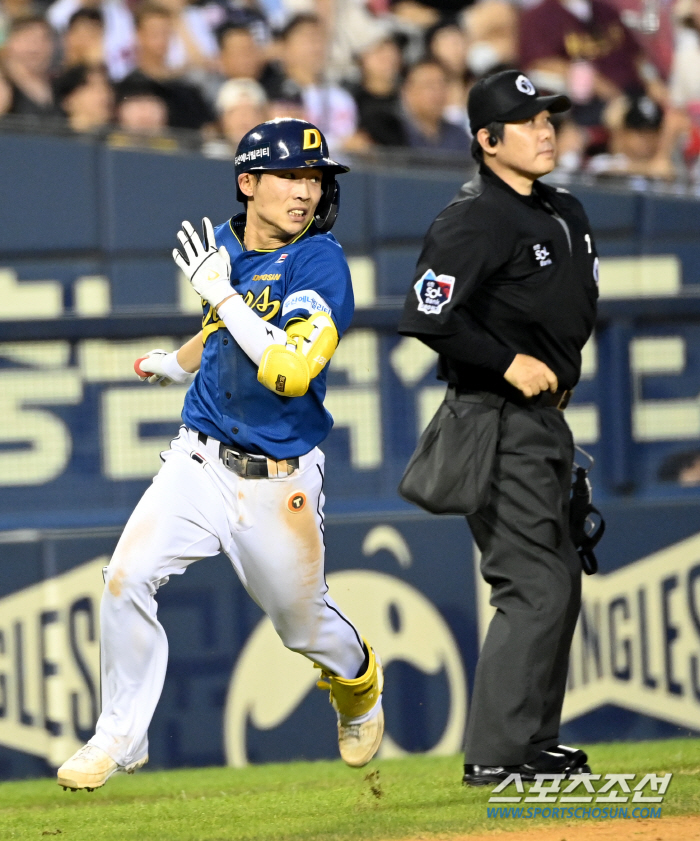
505,291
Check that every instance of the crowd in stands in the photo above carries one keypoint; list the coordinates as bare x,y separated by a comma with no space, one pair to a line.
371,74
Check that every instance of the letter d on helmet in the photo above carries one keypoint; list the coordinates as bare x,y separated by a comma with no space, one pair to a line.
288,143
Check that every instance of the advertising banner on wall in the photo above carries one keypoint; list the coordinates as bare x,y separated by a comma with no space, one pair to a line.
233,694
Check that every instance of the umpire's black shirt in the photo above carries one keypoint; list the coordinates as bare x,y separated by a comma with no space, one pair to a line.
500,274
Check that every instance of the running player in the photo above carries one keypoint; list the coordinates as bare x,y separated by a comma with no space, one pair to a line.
245,475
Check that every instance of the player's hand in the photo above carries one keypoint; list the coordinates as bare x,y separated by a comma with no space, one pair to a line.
530,376
159,366
208,268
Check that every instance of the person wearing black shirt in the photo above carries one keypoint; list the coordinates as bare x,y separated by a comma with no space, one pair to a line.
377,94
187,108
505,291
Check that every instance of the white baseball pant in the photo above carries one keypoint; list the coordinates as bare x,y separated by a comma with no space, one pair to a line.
196,509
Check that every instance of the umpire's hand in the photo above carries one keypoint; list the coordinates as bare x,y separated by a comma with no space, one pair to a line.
531,376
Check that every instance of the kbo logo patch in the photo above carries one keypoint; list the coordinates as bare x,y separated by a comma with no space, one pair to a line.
543,254
434,292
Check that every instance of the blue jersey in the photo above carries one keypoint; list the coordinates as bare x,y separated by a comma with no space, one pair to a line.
226,401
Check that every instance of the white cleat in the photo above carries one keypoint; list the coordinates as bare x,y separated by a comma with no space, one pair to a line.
358,743
90,768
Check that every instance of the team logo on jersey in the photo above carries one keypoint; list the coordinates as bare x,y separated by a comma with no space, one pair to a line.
266,307
282,258
296,501
262,303
542,253
267,276
434,292
524,85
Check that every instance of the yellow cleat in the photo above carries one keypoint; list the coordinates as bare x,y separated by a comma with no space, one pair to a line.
90,768
357,702
358,743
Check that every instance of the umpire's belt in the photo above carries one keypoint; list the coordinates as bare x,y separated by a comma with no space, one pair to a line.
558,399
251,466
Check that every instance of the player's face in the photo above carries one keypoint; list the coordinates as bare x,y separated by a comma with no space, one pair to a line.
528,146
284,201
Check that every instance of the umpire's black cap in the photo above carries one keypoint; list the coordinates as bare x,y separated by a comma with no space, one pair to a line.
507,97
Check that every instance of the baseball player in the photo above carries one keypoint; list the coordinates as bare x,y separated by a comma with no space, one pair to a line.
245,475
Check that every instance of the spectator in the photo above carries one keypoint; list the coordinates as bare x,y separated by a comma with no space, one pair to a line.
585,45
241,105
351,27
141,109
83,42
377,94
119,34
682,119
11,10
186,106
447,44
192,42
85,95
27,54
491,27
240,57
424,95
290,105
634,124
652,27
142,118
414,13
303,57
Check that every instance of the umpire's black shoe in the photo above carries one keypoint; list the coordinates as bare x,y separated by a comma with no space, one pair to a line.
578,759
551,761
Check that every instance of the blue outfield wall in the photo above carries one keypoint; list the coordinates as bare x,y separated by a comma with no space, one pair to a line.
87,284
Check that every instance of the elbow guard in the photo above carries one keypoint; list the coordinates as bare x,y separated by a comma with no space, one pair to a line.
287,370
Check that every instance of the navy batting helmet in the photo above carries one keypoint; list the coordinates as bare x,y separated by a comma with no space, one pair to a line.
287,143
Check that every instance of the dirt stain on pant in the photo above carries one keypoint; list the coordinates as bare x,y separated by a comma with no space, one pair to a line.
305,538
116,581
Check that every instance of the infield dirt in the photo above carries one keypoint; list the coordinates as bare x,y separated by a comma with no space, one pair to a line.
660,829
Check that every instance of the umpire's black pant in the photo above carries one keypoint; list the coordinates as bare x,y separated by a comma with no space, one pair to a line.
529,560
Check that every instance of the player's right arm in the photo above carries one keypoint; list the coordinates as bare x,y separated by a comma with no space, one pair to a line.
159,366
189,356
287,359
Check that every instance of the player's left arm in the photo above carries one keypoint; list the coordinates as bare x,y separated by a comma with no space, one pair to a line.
316,310
287,359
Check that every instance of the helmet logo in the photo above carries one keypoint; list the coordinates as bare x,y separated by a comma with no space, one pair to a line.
312,138
524,85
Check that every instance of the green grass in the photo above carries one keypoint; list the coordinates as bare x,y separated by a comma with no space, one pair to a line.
418,796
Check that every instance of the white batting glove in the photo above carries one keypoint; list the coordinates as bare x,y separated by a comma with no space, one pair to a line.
159,366
208,268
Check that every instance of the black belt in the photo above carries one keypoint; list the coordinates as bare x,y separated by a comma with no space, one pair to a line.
557,399
251,466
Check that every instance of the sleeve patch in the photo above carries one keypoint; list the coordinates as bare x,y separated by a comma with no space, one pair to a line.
307,300
434,292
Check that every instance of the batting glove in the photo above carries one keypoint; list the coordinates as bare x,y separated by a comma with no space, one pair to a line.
159,366
208,268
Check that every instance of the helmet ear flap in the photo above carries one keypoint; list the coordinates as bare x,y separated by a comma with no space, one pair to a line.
327,208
